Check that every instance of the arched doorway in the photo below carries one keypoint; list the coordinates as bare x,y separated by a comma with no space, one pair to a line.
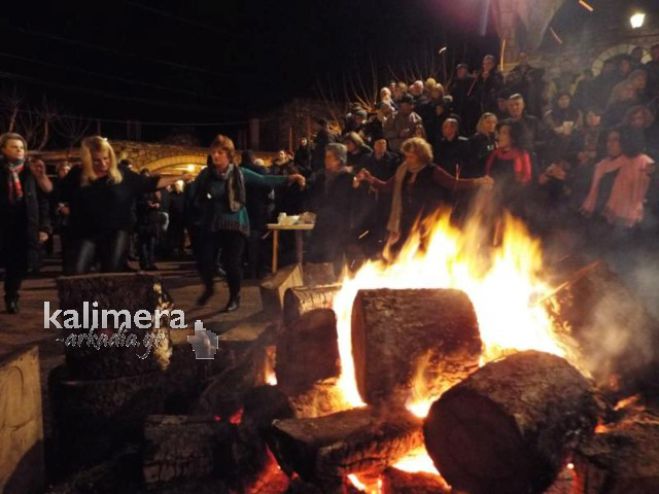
176,165
616,50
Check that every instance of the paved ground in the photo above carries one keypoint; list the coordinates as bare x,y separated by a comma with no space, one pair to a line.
179,278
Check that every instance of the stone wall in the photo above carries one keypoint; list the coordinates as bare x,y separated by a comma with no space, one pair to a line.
21,424
165,159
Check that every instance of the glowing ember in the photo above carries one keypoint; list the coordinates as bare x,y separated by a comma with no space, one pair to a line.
369,486
416,461
631,403
269,368
503,283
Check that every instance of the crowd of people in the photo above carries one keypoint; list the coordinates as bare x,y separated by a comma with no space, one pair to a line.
573,151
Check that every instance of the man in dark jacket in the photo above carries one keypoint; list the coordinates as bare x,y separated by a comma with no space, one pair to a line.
488,84
24,219
302,157
322,139
331,198
460,89
451,151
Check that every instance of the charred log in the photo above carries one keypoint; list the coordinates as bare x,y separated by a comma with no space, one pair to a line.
119,292
395,332
275,286
179,448
300,300
95,418
224,392
324,450
622,459
307,351
506,428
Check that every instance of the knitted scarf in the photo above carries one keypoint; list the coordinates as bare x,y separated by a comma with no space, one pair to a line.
235,186
14,185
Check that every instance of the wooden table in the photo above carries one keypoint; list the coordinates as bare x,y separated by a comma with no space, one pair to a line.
299,230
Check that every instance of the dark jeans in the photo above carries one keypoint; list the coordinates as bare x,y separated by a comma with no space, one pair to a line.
232,245
14,252
255,254
147,248
108,248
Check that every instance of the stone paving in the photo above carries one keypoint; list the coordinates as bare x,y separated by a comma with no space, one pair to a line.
23,330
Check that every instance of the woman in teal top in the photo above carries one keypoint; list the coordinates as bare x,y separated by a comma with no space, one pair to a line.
218,199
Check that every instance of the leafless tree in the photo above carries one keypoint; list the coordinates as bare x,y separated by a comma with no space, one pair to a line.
72,129
34,123
10,104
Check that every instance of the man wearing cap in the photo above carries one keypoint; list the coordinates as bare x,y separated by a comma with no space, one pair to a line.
404,124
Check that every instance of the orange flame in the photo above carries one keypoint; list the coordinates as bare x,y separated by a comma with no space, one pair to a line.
503,282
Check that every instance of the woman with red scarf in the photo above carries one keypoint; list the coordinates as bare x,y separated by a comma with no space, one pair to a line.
24,219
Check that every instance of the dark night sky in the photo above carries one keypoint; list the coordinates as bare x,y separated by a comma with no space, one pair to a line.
219,60
203,60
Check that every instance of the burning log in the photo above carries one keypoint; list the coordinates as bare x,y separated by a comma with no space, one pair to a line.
323,398
622,459
300,300
506,428
396,481
184,448
224,392
393,331
616,334
324,450
307,351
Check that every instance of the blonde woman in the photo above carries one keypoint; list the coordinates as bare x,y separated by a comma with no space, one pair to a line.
418,188
101,198
483,142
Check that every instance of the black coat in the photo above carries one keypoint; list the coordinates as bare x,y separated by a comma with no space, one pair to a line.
360,157
323,138
302,160
452,154
385,167
332,201
25,219
102,206
481,146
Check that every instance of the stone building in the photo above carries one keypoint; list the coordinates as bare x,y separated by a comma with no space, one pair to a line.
164,159
539,28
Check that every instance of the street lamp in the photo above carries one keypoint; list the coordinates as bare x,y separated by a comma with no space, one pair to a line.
637,20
